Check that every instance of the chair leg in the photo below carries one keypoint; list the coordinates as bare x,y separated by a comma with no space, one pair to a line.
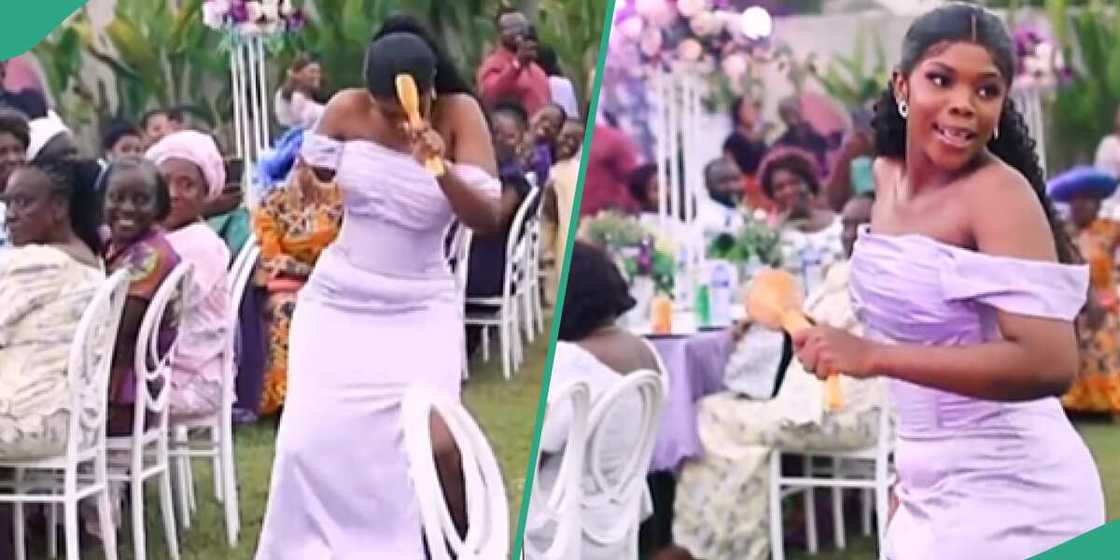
810,509
181,484
167,508
105,511
867,500
229,483
52,531
18,523
216,463
486,344
506,346
777,546
838,518
139,546
70,526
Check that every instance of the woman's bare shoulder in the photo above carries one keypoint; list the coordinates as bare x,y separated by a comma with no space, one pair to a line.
342,110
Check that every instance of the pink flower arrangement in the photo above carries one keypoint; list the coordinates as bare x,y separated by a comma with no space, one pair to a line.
253,17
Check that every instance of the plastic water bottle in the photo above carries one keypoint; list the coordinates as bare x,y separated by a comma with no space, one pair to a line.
720,293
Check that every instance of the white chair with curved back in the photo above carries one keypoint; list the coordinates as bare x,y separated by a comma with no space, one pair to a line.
627,486
844,472
503,311
148,445
560,507
458,261
487,536
217,428
40,480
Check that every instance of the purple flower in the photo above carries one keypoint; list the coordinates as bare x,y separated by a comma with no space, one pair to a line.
297,20
238,12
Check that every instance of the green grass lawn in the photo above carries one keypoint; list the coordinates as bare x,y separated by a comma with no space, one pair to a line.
1103,438
505,410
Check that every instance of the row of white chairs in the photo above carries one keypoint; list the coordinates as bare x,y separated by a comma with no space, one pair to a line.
83,470
581,466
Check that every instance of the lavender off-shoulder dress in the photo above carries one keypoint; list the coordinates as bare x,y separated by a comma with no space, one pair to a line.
380,313
977,478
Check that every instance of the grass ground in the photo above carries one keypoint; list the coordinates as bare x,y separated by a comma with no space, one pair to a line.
1103,439
505,410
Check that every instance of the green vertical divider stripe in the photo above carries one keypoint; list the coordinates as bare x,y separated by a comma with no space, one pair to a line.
27,23
1102,543
589,128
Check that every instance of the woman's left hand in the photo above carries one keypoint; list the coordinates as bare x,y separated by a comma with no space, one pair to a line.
823,350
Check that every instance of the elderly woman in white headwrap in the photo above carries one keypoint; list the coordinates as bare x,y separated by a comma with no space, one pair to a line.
195,173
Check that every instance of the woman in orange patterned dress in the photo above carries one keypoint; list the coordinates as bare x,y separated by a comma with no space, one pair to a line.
1097,387
294,224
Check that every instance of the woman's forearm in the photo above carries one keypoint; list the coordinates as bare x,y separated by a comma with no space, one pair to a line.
474,209
999,370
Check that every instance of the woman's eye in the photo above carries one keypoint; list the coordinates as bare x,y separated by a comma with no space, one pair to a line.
938,80
988,92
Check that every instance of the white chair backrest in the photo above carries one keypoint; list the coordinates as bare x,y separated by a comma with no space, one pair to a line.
166,311
625,486
459,254
487,507
91,359
517,245
243,256
560,507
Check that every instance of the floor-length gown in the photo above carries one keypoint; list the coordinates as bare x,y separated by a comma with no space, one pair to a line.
380,313
977,478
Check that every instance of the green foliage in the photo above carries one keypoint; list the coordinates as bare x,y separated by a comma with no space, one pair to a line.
857,79
573,28
1083,112
755,239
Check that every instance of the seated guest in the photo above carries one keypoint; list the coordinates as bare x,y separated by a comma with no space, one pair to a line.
296,101
136,200
721,211
544,130
192,166
595,350
47,280
122,139
158,123
15,135
722,502
294,224
809,235
559,201
486,271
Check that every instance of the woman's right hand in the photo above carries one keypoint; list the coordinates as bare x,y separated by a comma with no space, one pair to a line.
427,144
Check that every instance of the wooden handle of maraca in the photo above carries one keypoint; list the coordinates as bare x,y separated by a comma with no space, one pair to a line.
794,321
409,96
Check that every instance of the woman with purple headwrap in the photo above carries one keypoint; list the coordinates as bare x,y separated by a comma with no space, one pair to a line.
195,173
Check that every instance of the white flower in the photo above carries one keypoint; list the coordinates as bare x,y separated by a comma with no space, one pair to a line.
651,41
690,49
214,13
254,11
734,66
270,9
706,23
632,28
759,215
689,8
658,12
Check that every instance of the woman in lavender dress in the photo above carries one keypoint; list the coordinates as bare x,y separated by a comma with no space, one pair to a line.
379,314
963,287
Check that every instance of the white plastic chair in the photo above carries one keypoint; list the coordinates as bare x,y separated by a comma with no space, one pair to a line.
216,430
875,479
90,359
458,261
487,536
503,312
148,445
532,301
560,507
629,485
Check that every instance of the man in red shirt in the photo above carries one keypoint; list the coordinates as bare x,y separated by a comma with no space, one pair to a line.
511,72
613,156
